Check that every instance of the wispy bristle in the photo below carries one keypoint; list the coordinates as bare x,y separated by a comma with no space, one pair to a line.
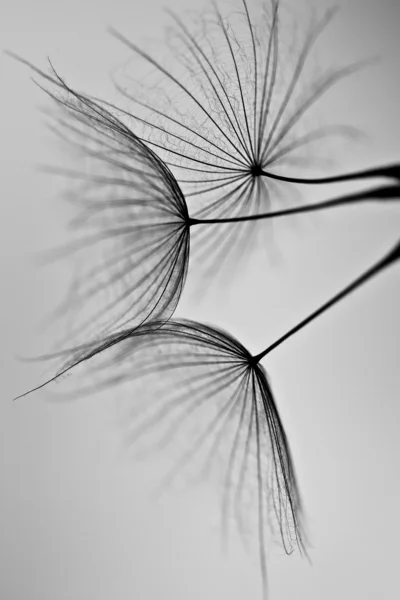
130,233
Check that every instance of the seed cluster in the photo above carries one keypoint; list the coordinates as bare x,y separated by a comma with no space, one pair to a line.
216,168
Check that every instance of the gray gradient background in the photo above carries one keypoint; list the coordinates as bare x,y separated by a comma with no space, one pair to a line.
76,521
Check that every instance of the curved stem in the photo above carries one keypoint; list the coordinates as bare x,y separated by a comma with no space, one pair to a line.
380,193
386,261
392,171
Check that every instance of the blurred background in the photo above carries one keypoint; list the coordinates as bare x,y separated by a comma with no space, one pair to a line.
77,517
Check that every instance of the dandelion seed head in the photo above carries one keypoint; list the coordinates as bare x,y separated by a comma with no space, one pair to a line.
228,106
234,92
193,392
129,237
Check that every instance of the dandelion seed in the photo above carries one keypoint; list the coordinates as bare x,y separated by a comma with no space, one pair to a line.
132,233
239,137
202,376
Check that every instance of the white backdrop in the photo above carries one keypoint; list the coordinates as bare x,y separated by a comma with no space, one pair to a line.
75,514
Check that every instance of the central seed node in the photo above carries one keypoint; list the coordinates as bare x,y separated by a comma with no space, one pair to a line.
256,170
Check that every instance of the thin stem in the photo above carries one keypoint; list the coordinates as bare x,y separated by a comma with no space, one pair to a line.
392,171
379,193
388,260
